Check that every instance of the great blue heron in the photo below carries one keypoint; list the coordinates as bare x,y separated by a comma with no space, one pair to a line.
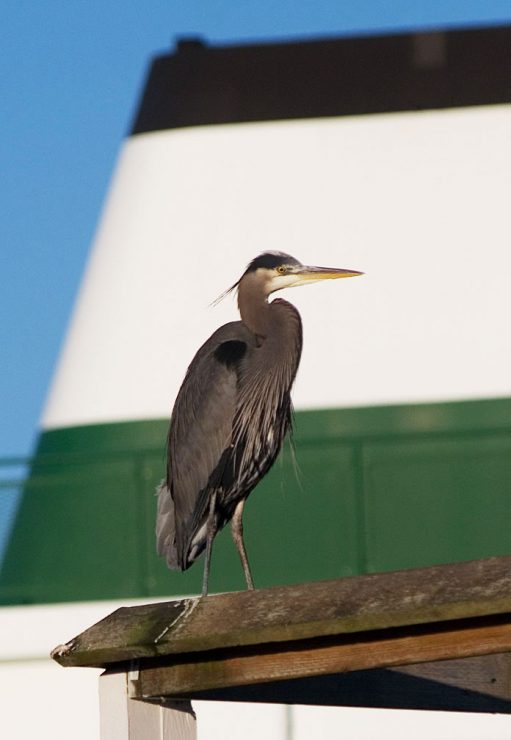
232,413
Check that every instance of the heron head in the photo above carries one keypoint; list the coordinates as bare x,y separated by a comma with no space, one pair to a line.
277,270
272,271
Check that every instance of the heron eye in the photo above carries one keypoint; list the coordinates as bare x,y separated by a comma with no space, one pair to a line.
281,269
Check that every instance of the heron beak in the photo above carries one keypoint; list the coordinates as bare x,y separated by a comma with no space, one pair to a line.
309,274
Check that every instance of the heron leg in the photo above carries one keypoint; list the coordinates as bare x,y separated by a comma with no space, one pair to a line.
237,535
210,536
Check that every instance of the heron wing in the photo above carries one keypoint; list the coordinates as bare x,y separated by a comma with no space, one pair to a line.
199,436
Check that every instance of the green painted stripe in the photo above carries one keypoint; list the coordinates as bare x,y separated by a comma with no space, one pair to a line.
120,437
409,419
378,489
139,436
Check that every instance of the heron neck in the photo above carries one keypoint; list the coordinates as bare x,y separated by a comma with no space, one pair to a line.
253,306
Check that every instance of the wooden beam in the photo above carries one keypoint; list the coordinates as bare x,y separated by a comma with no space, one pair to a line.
354,610
432,638
468,685
187,674
486,675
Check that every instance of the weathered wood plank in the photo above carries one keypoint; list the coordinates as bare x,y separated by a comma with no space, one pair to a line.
488,675
385,688
191,673
313,610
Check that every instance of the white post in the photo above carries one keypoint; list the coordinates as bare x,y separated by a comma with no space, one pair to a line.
124,718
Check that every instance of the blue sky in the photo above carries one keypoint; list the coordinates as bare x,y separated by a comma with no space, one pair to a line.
71,74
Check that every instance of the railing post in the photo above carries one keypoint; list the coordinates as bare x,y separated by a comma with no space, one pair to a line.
125,718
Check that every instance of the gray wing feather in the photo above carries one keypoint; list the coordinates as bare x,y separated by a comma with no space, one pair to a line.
165,526
200,431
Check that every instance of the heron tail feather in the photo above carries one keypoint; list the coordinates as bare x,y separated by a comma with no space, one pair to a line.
166,527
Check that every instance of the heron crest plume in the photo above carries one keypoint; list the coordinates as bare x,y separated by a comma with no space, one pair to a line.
266,260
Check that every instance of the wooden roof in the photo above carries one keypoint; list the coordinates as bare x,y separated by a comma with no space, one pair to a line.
436,637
